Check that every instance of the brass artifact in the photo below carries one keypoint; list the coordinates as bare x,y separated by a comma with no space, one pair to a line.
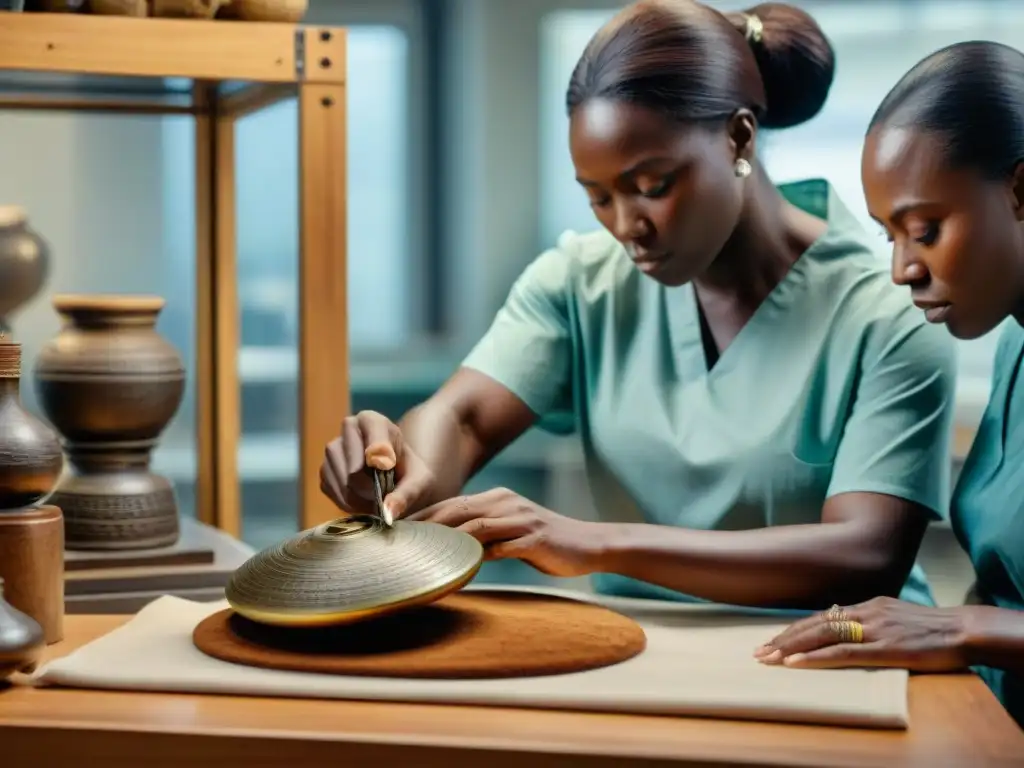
352,569
31,459
110,384
24,262
21,640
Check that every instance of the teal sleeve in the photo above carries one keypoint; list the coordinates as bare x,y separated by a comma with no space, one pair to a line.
528,347
898,436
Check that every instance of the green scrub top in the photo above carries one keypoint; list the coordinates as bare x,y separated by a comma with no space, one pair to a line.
987,512
836,384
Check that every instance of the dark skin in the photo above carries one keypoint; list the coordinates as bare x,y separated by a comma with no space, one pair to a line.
958,240
669,193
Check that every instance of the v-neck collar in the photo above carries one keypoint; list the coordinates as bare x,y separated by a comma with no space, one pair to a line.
817,197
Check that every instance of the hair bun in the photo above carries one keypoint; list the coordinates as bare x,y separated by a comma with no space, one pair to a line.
795,58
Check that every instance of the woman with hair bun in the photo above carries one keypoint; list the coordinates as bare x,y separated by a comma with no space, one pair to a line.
943,172
765,417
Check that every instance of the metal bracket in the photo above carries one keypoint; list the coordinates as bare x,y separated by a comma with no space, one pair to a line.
300,54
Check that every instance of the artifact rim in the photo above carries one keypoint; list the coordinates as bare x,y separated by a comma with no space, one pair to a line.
360,611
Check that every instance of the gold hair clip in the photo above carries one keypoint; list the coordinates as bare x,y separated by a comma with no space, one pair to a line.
755,29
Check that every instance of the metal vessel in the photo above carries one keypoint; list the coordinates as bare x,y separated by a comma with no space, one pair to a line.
352,569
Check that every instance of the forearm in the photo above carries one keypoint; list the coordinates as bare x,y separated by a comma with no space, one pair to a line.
797,566
458,430
994,637
447,446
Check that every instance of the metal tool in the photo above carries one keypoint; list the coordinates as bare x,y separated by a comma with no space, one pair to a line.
383,484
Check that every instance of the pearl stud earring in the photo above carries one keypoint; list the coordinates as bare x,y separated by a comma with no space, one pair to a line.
742,168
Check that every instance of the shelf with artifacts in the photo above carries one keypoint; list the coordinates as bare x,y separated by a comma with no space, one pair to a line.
218,71
215,71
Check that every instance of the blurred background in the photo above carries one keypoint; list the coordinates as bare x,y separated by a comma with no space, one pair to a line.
459,174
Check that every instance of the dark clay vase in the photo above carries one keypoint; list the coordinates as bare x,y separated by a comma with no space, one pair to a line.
31,459
24,262
110,384
21,640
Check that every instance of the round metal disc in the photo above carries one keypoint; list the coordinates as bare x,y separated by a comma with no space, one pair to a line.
351,569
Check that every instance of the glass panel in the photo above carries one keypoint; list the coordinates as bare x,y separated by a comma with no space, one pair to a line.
266,152
872,49
266,149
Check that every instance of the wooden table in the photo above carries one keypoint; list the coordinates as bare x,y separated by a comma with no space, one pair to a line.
955,722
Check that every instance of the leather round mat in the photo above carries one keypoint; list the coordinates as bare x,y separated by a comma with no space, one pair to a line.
470,634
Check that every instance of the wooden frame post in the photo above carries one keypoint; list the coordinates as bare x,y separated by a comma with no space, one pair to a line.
324,397
218,401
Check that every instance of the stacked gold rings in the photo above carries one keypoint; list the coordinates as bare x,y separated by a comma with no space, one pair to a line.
835,613
845,630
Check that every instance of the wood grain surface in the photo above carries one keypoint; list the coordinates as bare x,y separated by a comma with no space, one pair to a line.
955,721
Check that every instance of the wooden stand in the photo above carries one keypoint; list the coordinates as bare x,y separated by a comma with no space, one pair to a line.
123,65
32,566
123,586
187,550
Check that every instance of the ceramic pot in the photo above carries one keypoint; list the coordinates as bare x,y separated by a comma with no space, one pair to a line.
110,384
186,9
30,454
24,261
174,9
281,11
21,640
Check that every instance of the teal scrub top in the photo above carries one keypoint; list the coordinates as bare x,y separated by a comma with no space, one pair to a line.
987,511
836,384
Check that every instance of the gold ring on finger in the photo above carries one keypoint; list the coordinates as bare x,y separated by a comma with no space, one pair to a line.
847,631
835,613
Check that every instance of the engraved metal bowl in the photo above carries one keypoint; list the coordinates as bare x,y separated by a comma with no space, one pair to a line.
352,569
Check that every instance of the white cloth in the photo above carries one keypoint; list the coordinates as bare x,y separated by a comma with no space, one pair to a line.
699,661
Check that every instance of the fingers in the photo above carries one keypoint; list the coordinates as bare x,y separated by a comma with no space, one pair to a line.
843,655
489,530
352,446
367,439
329,481
793,630
819,635
512,549
381,438
333,474
451,512
804,635
412,482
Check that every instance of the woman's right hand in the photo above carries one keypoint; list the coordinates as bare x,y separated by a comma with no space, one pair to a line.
370,440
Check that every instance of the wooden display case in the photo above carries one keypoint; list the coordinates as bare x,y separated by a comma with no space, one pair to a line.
219,71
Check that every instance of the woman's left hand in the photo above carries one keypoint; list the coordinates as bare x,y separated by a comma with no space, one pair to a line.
895,634
511,526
